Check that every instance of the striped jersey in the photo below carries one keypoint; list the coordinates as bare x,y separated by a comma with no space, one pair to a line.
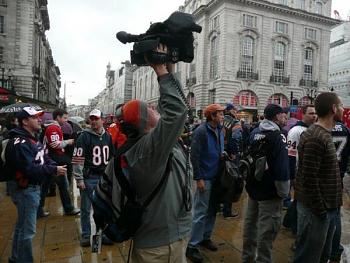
341,139
91,154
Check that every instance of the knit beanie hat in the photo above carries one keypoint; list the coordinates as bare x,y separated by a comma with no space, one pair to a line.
133,112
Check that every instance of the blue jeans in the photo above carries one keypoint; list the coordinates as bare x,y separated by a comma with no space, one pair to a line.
315,235
204,214
337,248
63,186
27,203
85,206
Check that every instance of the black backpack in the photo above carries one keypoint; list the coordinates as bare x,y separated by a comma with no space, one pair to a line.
254,162
116,210
6,174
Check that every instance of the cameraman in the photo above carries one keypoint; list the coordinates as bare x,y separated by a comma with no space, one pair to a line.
162,236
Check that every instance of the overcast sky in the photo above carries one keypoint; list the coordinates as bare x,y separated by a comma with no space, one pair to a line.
82,37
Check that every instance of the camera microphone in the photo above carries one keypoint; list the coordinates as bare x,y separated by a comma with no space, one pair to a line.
124,37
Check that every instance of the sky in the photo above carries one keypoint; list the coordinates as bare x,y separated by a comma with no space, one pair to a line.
82,37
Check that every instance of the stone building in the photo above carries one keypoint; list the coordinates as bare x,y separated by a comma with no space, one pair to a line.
26,53
118,89
253,52
339,62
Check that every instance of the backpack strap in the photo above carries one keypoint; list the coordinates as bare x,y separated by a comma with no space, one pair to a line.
118,172
162,181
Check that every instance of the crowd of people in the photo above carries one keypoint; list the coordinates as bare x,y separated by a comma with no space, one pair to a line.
300,169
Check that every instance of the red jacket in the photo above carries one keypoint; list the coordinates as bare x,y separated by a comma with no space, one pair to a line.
53,139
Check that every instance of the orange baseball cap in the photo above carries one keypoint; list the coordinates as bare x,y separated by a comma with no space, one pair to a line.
213,108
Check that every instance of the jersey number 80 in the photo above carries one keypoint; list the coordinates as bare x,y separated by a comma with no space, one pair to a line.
100,155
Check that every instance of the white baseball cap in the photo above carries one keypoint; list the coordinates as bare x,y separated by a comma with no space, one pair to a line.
96,113
29,111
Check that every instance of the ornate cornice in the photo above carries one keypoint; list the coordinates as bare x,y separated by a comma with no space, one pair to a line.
262,4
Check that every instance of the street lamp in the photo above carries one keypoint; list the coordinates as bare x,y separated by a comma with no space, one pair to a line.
311,94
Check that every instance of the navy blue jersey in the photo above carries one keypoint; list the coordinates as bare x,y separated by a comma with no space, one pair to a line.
341,139
93,152
25,157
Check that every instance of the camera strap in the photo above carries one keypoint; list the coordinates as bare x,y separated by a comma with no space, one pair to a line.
187,187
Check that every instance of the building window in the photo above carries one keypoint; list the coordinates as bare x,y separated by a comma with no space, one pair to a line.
214,22
301,4
310,33
2,24
1,54
279,61
246,98
249,21
247,58
212,94
319,8
284,2
308,63
278,99
281,27
121,70
214,58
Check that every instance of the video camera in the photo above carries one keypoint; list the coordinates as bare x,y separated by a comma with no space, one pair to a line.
175,33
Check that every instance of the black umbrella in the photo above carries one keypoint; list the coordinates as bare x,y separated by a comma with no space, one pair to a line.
17,107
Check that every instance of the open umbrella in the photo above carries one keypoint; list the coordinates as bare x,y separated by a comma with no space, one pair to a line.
17,107
76,119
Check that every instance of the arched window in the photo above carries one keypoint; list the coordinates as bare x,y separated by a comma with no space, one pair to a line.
304,101
319,8
308,63
246,98
247,57
213,57
279,62
278,99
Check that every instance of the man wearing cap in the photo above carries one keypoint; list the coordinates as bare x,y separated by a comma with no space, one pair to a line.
54,143
91,154
25,158
207,149
266,189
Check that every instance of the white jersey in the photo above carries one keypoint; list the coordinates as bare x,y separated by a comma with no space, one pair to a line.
293,139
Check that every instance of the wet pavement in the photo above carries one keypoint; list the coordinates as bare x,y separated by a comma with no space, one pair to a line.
57,237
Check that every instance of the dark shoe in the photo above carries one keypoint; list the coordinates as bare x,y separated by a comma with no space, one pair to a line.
194,255
234,214
85,241
73,212
208,244
106,241
43,214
